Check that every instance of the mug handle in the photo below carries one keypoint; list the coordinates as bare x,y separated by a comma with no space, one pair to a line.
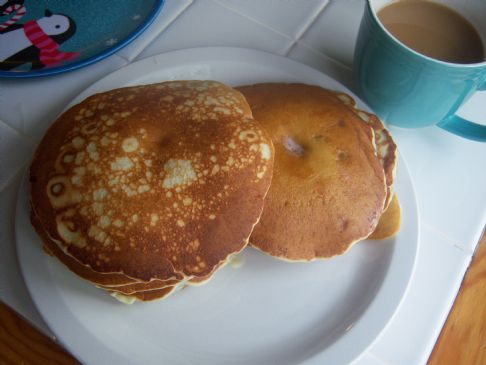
463,127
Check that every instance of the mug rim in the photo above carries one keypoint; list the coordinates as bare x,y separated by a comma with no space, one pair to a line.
418,54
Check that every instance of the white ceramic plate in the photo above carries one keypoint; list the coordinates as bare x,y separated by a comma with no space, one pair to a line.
265,312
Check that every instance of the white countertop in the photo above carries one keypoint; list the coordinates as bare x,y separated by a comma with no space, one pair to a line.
448,172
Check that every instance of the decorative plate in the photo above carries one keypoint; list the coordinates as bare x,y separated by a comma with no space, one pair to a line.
45,37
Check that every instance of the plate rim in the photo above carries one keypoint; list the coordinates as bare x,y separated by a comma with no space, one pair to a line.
156,9
235,54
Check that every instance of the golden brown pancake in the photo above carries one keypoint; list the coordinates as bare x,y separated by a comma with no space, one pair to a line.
145,296
137,288
132,289
111,282
384,143
151,182
100,279
81,270
328,189
389,223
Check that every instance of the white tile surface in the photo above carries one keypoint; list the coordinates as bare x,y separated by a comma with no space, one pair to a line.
475,107
448,171
311,57
287,17
31,105
15,150
411,335
206,23
335,30
170,11
450,181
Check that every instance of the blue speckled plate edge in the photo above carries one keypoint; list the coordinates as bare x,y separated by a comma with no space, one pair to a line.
98,57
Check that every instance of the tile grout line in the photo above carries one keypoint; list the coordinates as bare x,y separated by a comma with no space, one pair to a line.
294,40
450,240
22,135
328,58
236,11
303,30
18,129
174,18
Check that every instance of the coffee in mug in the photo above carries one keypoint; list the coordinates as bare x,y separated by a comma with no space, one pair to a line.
417,61
434,30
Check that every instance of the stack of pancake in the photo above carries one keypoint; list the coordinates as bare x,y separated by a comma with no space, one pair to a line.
333,173
144,190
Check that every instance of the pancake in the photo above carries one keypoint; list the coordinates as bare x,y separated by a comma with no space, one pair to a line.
81,270
110,282
141,287
198,281
153,182
146,296
384,143
132,289
389,223
328,189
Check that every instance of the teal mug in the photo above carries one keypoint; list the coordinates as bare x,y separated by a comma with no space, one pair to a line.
408,89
